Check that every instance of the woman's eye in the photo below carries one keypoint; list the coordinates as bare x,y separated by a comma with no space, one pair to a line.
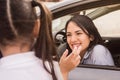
79,33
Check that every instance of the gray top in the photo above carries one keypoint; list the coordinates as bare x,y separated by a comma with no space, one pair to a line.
99,55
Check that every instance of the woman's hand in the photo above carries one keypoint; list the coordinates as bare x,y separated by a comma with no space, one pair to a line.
68,63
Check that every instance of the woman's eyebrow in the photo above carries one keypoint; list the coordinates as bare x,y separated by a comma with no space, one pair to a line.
68,32
78,30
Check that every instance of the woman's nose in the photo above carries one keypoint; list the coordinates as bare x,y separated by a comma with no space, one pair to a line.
73,38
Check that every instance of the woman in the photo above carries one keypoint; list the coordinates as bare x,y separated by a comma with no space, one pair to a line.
26,25
81,31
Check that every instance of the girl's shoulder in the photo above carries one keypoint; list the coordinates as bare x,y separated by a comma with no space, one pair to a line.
57,70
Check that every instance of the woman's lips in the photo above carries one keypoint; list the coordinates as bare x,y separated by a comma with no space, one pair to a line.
75,45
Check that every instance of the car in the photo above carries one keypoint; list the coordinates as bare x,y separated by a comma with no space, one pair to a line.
106,16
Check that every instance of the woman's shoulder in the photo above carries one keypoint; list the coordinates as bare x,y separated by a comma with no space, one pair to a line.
100,50
99,47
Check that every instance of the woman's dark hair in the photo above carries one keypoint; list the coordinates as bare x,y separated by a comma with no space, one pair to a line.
17,20
87,25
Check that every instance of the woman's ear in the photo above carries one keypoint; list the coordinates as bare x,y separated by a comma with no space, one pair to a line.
91,37
36,28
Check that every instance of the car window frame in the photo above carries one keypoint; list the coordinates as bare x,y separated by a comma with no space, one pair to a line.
81,6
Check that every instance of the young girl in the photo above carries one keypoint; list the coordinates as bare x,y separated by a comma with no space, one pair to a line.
26,44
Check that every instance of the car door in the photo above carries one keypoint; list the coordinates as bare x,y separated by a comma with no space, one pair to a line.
95,72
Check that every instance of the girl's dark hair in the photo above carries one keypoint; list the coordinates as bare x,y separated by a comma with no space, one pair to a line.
17,20
87,25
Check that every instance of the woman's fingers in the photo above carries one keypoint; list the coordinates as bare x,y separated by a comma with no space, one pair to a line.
75,53
79,50
64,54
77,60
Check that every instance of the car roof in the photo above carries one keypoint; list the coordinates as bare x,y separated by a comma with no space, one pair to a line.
66,7
63,3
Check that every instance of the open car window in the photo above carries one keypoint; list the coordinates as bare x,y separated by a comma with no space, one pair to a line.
106,19
105,15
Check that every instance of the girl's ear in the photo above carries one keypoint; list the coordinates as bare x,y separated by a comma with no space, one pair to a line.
36,28
91,37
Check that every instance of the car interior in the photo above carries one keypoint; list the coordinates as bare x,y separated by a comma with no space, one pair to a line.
111,42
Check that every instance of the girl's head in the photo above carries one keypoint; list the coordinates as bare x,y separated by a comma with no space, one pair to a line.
19,24
17,21
81,31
